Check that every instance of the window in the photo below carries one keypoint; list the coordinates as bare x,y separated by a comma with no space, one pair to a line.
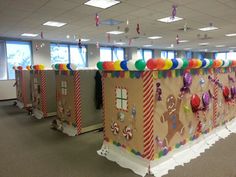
59,53
65,53
63,87
18,54
105,54
220,56
122,99
168,54
189,55
145,54
3,63
78,55
118,54
111,54
231,55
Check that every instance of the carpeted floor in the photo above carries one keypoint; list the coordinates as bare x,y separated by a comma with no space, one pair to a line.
29,148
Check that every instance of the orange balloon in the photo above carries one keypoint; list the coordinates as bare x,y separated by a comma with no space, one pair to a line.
233,63
193,63
160,63
217,63
60,67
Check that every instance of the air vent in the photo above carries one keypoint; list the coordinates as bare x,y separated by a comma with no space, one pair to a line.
111,22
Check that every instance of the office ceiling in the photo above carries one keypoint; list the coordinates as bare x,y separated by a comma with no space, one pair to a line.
27,16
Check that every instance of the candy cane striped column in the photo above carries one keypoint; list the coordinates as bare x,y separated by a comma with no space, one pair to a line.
103,107
215,101
77,100
148,114
43,93
23,91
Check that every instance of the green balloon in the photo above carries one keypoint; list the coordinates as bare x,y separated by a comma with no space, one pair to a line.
99,65
140,64
211,63
185,63
230,62
56,66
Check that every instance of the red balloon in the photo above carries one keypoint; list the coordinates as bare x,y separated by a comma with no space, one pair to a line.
226,92
60,67
192,63
19,67
108,65
152,64
195,102
233,63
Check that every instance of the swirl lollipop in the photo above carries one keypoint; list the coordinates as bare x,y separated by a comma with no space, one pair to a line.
127,133
115,128
206,100
187,80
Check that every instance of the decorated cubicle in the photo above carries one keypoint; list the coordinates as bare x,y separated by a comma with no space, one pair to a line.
166,115
23,91
76,109
43,89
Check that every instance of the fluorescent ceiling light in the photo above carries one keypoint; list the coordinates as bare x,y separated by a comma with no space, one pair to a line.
169,19
54,24
155,37
83,40
29,35
120,43
231,35
115,32
232,47
204,43
102,3
187,48
209,28
220,46
147,45
183,41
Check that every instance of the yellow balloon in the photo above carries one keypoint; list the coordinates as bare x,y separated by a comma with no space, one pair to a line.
65,67
168,64
41,67
199,63
117,65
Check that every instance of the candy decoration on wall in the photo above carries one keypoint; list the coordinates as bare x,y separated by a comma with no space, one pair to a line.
138,28
195,103
226,94
158,92
187,81
133,112
115,128
127,133
121,116
233,92
206,100
97,20
202,82
231,79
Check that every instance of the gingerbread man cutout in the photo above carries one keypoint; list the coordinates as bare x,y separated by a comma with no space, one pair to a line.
172,117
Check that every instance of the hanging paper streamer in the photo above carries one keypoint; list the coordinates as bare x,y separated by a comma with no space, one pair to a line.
138,28
174,11
97,20
108,38
177,39
97,45
130,41
41,35
79,44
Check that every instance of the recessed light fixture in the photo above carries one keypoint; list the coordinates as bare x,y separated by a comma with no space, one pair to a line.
220,46
83,40
187,48
169,19
147,45
115,32
204,43
102,3
208,28
230,35
120,43
54,24
29,35
155,37
67,36
183,41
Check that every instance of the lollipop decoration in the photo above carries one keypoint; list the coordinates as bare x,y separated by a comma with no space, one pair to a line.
158,92
174,11
115,128
206,100
97,20
127,133
138,28
187,80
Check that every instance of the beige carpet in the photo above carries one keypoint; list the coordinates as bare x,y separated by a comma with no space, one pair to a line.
29,148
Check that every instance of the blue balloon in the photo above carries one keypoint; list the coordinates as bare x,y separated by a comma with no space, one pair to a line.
175,63
68,66
203,63
123,65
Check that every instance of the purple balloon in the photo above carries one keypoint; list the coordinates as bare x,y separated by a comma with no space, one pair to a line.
187,79
206,99
233,91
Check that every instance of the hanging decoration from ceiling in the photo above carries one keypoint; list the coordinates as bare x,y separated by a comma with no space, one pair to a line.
174,11
127,22
138,28
42,35
97,20
177,39
36,47
185,27
80,44
108,38
97,45
130,42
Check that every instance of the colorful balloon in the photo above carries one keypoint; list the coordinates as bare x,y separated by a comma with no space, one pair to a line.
117,65
233,63
140,64
160,63
108,65
180,63
19,67
56,66
225,63
99,65
204,62
123,65
185,63
131,65
174,63
217,63
199,63
168,64
152,64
